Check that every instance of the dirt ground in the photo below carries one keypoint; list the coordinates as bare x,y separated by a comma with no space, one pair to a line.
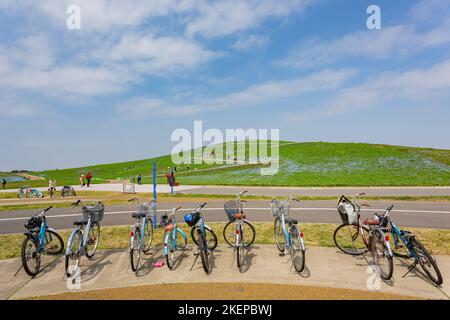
224,291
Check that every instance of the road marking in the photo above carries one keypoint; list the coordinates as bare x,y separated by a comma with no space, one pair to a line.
220,209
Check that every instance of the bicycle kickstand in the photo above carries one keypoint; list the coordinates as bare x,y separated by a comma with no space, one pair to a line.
15,274
410,268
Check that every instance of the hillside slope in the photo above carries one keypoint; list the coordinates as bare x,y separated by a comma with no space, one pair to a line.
301,164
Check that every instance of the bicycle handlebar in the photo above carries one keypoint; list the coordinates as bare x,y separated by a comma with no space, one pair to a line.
75,203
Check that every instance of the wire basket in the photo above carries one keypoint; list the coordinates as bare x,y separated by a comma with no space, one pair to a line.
231,208
278,208
143,208
95,211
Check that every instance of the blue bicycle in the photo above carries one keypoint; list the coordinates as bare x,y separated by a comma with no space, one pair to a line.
85,236
206,241
406,245
141,235
39,239
172,242
287,233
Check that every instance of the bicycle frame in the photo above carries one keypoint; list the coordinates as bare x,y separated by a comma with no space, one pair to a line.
287,234
85,235
174,234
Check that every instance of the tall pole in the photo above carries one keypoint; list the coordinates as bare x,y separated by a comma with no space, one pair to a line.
154,195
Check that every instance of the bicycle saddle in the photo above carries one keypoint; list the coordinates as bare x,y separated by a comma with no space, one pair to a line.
138,215
170,227
79,222
371,222
239,216
291,220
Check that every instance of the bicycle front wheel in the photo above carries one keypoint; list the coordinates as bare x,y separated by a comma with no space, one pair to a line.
73,253
204,252
31,259
427,262
278,232
348,239
240,248
381,257
148,236
297,252
211,238
93,240
55,244
135,252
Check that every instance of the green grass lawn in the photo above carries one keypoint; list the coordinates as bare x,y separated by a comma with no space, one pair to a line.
301,164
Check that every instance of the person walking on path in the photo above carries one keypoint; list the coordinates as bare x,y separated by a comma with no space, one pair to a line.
82,180
89,178
4,183
139,179
51,187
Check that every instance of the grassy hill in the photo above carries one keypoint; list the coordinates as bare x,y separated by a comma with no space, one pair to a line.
301,164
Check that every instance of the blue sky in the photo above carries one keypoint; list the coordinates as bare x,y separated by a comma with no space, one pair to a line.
137,70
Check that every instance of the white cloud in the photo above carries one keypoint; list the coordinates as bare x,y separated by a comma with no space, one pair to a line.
253,41
395,41
412,85
250,97
219,18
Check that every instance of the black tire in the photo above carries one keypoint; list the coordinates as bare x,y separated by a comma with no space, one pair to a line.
297,253
278,234
348,239
426,261
135,255
228,235
381,257
203,251
212,242
148,238
51,236
94,239
29,253
240,251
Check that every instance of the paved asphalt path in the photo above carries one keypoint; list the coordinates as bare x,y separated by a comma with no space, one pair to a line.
406,214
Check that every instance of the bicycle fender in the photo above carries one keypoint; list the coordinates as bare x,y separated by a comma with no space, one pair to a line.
52,229
166,241
388,246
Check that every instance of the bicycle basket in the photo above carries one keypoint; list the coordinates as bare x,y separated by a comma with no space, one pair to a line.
192,218
165,220
275,207
347,211
33,223
143,208
95,211
231,209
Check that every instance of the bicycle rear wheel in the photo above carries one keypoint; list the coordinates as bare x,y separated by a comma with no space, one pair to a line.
135,252
148,236
381,257
174,243
93,240
348,239
55,244
249,230
280,238
31,259
297,252
427,262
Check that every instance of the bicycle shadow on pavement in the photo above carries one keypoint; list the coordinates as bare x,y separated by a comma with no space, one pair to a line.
248,259
90,268
368,263
417,272
147,261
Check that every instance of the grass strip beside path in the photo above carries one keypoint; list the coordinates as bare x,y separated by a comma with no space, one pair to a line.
316,235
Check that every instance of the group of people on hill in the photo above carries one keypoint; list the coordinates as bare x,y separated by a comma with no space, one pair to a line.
86,180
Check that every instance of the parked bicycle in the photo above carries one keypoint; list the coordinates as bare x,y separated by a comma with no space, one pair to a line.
40,239
85,236
356,238
205,238
406,245
287,233
27,192
141,235
175,239
68,191
235,232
